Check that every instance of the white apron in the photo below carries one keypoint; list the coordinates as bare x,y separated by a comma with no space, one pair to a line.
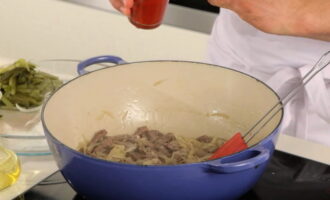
281,62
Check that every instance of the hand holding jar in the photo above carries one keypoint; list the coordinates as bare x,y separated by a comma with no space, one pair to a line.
145,14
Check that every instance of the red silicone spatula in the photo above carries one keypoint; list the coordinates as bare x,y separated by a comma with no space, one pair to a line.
238,142
233,145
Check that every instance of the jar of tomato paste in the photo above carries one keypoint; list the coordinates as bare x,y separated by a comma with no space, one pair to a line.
148,14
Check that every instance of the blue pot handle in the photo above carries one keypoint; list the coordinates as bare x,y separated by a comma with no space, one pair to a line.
98,59
244,160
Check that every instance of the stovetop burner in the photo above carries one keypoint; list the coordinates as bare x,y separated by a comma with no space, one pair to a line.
287,177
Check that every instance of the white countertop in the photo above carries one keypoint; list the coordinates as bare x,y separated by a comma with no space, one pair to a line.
43,29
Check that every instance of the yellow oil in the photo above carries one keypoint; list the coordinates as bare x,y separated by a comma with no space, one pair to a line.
9,168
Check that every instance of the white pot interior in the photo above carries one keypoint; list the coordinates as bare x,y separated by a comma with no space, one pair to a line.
185,98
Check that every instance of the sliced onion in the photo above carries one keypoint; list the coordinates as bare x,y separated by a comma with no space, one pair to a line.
22,109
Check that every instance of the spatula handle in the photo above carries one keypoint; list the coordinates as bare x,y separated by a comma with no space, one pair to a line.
323,62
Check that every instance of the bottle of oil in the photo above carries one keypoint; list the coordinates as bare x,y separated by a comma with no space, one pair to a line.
9,167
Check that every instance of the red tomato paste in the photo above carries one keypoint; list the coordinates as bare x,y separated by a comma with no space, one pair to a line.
148,14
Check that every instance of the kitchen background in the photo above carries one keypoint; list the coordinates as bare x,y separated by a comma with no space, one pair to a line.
197,15
42,29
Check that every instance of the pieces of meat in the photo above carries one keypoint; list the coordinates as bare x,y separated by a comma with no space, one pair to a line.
173,146
94,142
103,148
204,139
99,136
136,155
141,130
146,146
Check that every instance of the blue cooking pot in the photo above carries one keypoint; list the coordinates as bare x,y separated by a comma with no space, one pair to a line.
186,98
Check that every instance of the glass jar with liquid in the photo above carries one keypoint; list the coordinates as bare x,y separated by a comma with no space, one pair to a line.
9,167
148,14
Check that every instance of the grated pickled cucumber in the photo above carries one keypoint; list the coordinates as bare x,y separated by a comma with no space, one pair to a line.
22,86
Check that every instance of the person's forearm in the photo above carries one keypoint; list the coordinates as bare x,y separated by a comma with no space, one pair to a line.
313,21
303,18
